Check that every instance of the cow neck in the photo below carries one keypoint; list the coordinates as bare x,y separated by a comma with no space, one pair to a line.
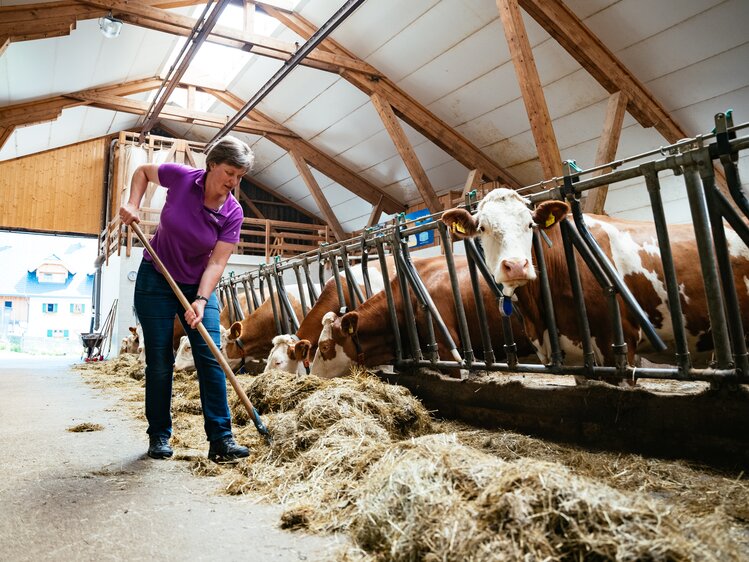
376,341
255,329
311,327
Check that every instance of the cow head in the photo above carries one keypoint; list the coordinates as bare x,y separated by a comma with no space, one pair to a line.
234,343
184,360
504,224
336,351
130,343
288,354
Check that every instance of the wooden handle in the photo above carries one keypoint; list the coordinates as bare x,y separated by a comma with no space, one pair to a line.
201,329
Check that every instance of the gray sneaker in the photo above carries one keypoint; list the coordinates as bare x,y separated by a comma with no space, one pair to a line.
158,447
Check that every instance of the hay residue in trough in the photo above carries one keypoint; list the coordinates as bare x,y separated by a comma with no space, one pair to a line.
85,427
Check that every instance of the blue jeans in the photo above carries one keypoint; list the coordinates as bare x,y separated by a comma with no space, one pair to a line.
156,306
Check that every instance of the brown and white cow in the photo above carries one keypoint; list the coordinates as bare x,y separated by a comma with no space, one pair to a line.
252,338
504,224
371,324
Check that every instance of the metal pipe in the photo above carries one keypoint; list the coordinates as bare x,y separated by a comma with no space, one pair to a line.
290,320
410,319
732,308
313,294
486,340
238,312
669,270
317,37
713,292
353,286
642,319
391,301
302,298
249,299
365,268
547,301
338,287
460,312
276,312
577,294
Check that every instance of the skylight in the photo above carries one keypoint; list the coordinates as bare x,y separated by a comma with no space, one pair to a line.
215,65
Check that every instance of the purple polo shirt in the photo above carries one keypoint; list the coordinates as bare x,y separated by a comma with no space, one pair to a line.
188,231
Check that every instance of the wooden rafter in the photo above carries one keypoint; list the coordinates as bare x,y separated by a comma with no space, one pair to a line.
174,113
472,181
407,153
612,130
286,201
58,18
318,195
247,201
319,160
48,109
530,87
5,133
580,42
4,42
404,106
374,216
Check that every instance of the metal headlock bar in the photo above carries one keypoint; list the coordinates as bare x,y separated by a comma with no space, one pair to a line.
416,344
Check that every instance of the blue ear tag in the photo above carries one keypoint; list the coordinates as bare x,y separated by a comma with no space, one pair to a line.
505,305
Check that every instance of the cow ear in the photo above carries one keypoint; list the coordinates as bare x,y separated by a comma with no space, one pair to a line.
300,350
549,213
350,323
133,330
461,223
235,330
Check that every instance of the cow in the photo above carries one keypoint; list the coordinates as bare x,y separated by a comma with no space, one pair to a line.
130,343
292,352
183,359
370,324
252,337
504,224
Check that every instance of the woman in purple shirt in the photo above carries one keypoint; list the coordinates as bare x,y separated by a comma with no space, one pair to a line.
198,231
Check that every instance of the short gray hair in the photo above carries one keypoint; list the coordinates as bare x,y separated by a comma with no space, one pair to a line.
230,150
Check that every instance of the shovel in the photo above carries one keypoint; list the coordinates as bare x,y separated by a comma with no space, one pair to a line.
254,415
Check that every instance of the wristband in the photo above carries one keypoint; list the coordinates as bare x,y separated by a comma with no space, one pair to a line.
200,298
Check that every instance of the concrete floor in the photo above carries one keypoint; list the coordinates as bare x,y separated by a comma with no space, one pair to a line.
96,496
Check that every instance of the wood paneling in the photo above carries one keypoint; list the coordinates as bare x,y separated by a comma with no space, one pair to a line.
55,191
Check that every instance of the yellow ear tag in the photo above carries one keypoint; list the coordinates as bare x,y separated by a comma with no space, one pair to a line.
457,227
550,220
350,329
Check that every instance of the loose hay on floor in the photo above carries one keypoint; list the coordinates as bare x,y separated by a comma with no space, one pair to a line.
361,456
85,427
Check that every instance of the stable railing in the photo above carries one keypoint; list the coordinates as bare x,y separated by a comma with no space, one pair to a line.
693,160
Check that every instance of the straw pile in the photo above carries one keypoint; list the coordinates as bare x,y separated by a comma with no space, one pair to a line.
360,456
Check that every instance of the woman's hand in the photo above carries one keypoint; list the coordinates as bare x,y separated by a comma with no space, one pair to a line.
195,315
129,214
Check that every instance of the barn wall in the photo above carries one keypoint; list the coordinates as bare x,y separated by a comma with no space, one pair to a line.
55,191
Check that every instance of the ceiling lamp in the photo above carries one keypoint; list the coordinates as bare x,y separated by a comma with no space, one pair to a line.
110,26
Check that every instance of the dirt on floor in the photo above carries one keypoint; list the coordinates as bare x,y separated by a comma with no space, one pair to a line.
76,484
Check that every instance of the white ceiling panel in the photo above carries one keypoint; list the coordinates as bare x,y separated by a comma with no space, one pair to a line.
266,153
67,129
257,72
373,150
700,117
382,20
336,195
703,80
528,172
505,121
409,51
8,150
352,209
294,189
703,36
31,66
34,138
96,123
123,122
353,129
571,93
329,107
278,173
300,87
586,8
321,179
621,30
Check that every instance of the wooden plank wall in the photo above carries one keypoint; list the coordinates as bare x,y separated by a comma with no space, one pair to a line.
57,190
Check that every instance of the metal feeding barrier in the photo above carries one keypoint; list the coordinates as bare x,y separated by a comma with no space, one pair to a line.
692,159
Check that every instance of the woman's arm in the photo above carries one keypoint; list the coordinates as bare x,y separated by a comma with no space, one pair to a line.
213,271
142,175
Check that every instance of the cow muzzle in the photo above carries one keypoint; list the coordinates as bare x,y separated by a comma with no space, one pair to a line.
514,273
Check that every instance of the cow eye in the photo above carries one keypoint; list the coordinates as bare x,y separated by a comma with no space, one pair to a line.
481,228
531,225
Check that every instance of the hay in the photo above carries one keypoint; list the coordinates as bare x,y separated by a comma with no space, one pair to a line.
85,427
356,455
432,498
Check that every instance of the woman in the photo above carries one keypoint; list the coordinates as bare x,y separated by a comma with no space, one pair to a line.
198,231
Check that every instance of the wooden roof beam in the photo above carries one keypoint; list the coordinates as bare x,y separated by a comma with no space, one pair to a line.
49,109
254,181
404,106
530,87
607,145
247,201
319,160
407,153
318,195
